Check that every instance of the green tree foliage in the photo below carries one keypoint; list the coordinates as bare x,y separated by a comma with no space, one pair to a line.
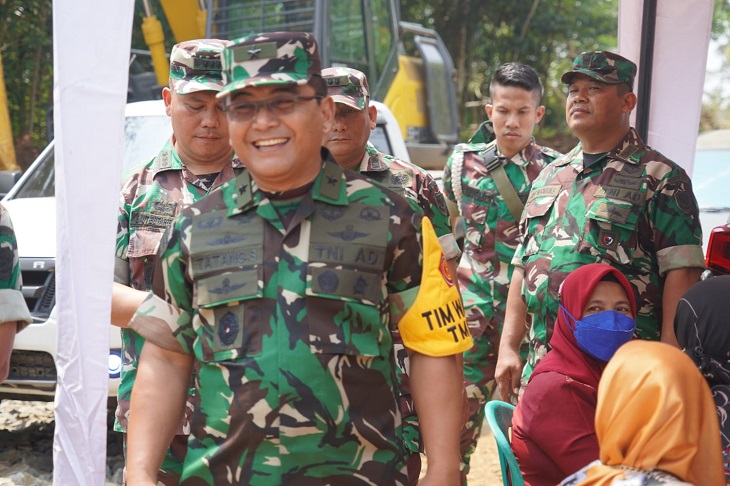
27,56
716,103
546,34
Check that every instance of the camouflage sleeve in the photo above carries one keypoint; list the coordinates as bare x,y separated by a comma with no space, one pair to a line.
434,206
675,223
165,317
12,304
121,261
430,317
519,254
448,188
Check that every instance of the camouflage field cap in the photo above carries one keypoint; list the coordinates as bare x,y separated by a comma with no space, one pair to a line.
603,66
196,65
269,58
347,86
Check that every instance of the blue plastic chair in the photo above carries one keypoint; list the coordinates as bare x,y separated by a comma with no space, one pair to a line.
499,419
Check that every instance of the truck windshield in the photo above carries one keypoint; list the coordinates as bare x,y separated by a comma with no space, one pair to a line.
143,137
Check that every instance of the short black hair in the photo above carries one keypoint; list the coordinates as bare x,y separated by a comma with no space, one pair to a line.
611,277
518,75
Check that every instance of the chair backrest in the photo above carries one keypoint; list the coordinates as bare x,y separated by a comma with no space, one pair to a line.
499,419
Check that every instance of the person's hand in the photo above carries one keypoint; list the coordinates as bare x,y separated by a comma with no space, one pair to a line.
508,373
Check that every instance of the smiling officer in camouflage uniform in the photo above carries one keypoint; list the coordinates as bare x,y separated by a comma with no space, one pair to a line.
197,159
490,224
284,287
14,314
348,143
613,200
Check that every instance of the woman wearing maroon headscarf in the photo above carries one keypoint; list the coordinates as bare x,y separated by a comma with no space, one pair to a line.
553,429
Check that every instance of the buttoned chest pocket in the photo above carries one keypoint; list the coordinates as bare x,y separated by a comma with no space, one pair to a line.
610,231
535,216
478,208
343,313
233,314
144,242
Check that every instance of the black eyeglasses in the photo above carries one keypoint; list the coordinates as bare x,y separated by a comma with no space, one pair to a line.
279,106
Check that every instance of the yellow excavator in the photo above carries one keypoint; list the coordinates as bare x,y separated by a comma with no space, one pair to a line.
7,149
408,66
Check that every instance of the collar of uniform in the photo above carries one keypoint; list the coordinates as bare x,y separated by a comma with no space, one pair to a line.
523,157
330,186
166,159
373,160
628,150
238,193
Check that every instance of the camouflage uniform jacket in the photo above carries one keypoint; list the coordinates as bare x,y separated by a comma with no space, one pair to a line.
419,187
634,209
291,326
151,196
491,232
415,184
12,304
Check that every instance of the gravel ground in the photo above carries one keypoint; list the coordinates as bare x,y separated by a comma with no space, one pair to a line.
26,449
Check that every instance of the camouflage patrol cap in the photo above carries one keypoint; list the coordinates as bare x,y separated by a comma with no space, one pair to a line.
269,58
196,65
603,66
347,86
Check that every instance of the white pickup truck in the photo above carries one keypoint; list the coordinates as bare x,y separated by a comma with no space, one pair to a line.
32,207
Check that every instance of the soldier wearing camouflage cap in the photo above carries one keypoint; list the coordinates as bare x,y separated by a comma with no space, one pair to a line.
197,159
284,288
348,143
14,313
612,199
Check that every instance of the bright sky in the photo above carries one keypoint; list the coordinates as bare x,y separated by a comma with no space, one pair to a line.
715,76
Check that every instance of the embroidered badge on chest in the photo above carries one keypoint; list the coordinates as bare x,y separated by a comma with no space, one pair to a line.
228,328
328,281
608,239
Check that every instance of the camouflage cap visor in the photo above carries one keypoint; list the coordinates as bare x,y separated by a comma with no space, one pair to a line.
269,59
196,66
605,67
191,84
346,86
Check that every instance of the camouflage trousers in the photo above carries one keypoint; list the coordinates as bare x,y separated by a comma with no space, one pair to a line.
172,465
479,367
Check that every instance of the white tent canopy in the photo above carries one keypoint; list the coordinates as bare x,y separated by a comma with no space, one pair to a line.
682,36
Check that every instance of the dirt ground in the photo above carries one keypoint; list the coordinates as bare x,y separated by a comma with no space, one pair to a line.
484,463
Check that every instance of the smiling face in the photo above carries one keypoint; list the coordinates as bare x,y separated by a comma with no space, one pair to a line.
349,135
282,152
598,113
200,129
608,296
514,111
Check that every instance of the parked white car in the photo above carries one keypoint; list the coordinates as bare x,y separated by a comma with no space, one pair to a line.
32,207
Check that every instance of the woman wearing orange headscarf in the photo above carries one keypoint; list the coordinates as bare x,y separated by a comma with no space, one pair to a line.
655,422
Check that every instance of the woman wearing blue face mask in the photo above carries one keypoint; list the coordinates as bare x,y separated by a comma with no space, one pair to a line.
553,428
